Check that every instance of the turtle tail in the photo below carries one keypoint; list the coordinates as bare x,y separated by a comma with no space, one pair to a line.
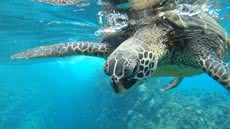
66,49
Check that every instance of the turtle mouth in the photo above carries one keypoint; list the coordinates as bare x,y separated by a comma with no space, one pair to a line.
122,85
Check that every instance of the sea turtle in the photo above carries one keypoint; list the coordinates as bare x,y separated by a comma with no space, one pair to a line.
134,4
159,45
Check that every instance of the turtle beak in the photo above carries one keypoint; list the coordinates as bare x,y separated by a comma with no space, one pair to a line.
117,87
122,85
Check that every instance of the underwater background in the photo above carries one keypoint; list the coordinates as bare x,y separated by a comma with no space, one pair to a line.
74,92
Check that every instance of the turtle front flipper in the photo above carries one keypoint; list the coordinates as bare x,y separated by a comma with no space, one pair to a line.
216,68
61,2
66,49
173,84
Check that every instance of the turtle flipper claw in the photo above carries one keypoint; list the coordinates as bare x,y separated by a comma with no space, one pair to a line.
173,84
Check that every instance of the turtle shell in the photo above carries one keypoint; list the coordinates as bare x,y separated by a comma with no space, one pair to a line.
189,16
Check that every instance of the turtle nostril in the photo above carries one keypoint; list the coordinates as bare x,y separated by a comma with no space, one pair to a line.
106,68
113,78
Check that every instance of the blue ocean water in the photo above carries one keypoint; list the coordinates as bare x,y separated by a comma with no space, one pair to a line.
74,93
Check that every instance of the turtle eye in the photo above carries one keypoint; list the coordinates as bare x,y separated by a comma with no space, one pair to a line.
135,69
127,71
120,20
131,69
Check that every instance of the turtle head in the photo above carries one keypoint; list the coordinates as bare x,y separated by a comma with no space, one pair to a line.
134,60
129,67
122,68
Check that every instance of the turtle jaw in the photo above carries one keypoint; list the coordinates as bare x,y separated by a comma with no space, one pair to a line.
122,85
117,87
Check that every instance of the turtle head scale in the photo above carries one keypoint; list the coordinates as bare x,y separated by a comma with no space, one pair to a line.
122,68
